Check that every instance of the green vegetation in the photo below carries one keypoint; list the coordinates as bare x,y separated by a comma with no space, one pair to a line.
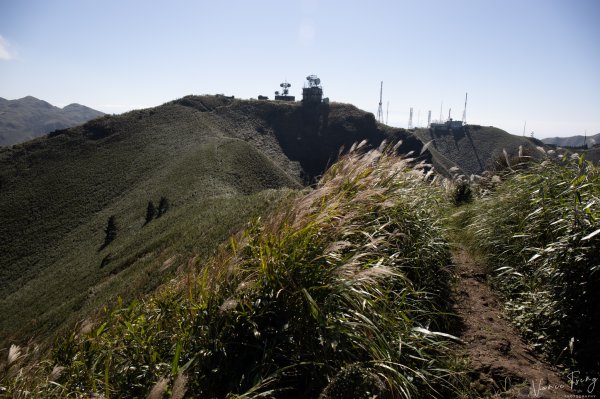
110,231
340,293
150,212
540,234
55,208
214,160
163,207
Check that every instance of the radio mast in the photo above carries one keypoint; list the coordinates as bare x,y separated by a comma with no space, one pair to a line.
465,111
380,109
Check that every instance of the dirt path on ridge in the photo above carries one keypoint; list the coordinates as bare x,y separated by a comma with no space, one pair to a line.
503,365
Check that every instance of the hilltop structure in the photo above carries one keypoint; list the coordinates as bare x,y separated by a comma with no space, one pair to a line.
284,95
450,124
312,92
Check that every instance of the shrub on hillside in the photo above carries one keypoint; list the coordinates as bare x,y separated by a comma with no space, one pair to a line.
150,212
163,206
110,231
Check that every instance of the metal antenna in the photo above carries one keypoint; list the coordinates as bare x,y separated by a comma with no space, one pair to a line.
429,119
387,113
410,124
380,109
465,111
441,115
449,111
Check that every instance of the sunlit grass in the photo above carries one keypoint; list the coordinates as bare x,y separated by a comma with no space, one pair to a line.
540,233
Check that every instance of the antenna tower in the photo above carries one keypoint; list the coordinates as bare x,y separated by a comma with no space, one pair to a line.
380,109
410,124
465,111
429,119
286,88
387,113
449,112
441,115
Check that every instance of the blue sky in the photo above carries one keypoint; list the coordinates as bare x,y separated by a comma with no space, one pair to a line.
527,60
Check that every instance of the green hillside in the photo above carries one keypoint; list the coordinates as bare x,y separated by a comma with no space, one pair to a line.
217,161
339,293
474,149
362,286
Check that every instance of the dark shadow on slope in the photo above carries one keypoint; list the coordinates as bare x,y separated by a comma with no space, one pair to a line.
468,135
316,135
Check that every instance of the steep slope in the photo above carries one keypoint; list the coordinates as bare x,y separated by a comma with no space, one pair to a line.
573,141
474,149
212,157
28,117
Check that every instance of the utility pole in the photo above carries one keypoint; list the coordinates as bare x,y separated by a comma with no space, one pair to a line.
380,109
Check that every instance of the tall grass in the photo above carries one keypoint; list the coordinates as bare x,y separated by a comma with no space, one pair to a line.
540,233
341,293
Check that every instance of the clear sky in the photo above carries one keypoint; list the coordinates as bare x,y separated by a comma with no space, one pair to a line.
519,60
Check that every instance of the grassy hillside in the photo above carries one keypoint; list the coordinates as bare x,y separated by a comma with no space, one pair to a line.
344,291
28,117
211,157
475,149
340,293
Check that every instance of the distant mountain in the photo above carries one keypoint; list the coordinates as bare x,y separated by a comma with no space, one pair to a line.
572,141
29,117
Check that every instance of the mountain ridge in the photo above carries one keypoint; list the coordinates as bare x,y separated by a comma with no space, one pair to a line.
573,141
29,117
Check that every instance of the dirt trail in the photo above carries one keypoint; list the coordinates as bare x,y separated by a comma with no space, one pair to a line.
502,364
